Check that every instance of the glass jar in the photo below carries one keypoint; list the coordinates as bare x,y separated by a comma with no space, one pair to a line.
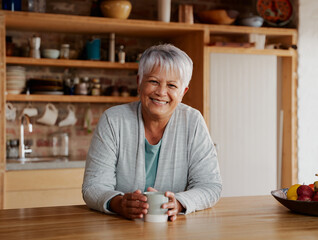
96,88
121,54
65,51
14,149
60,144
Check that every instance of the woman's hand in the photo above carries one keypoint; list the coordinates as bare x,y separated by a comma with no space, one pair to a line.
173,206
131,205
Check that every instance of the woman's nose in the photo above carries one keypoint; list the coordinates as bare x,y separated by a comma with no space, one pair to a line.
161,90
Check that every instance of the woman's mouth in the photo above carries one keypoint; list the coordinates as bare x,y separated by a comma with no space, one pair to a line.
157,101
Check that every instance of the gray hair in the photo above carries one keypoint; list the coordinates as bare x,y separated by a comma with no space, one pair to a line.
168,58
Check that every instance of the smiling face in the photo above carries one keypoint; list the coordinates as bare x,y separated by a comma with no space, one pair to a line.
160,93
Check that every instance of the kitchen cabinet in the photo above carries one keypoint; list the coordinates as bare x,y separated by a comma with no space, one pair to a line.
46,187
194,39
243,98
287,92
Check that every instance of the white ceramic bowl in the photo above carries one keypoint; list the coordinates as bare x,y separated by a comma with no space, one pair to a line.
51,53
253,21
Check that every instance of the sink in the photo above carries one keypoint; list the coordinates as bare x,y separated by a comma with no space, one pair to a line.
37,159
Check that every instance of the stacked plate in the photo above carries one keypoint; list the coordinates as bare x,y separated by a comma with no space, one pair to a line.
15,79
46,86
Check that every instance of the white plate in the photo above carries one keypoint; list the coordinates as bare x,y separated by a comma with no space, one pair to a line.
48,92
14,91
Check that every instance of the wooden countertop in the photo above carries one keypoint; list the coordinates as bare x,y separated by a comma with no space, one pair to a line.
260,217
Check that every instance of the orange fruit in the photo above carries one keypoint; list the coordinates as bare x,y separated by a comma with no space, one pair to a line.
292,192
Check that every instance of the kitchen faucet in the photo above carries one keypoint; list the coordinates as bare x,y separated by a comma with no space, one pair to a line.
22,148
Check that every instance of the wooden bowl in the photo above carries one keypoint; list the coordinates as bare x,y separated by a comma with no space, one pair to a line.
219,16
116,8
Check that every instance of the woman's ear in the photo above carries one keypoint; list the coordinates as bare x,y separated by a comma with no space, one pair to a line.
185,91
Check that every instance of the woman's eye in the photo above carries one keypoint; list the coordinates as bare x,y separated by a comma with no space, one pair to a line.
153,81
172,86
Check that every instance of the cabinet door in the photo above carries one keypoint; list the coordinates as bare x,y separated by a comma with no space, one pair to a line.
243,121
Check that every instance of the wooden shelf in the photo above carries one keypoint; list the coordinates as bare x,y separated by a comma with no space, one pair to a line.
44,22
232,29
70,63
67,98
237,50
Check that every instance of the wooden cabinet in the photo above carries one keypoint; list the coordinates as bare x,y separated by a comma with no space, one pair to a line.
41,188
194,39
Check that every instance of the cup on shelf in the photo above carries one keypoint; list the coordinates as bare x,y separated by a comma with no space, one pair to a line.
11,112
50,115
30,111
93,49
70,118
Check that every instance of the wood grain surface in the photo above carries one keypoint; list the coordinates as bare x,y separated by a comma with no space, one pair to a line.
246,218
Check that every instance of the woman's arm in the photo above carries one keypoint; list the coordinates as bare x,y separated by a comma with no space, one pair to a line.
100,170
204,179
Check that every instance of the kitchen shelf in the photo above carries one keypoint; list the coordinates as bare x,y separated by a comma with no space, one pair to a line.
238,50
71,63
68,98
46,22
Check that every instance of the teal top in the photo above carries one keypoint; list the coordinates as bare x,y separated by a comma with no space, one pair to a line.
151,158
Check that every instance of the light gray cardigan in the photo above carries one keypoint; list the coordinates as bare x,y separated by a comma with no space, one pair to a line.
187,165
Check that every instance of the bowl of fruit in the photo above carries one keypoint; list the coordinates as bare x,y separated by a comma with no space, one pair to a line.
299,198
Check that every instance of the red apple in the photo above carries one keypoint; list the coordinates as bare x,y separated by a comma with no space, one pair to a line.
305,190
304,198
315,197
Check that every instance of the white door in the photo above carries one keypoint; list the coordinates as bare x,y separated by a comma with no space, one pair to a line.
243,121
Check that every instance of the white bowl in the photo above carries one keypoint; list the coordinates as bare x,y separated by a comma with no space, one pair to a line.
51,53
253,21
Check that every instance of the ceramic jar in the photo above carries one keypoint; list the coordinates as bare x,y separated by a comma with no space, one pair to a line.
116,8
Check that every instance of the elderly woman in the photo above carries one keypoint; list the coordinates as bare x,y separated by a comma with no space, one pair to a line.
155,144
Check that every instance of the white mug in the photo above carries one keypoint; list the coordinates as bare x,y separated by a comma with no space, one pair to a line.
50,115
155,211
10,112
70,119
30,111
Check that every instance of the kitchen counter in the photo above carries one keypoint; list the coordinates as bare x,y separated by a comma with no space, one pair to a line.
56,164
260,217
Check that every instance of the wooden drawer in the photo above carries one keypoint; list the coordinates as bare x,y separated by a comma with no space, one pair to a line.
40,188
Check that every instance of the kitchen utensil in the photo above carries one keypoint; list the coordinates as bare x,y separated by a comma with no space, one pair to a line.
70,119
185,13
93,49
30,111
60,144
10,112
111,51
116,8
51,53
218,16
252,21
50,115
88,119
155,212
65,51
164,10
35,43
276,13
